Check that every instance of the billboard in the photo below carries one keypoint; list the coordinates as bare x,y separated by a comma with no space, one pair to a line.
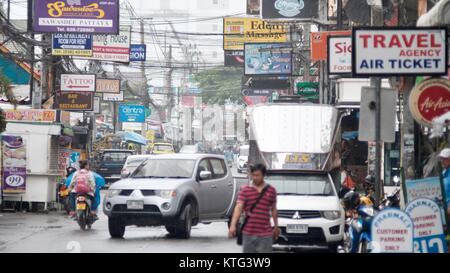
76,16
339,55
290,9
75,101
268,59
78,82
72,44
399,51
253,7
319,44
234,58
108,86
131,113
14,164
138,53
30,115
238,31
114,48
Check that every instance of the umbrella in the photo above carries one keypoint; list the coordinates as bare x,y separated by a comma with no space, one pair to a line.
133,138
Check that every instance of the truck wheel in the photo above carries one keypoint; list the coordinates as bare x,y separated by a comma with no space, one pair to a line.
171,229
116,227
184,225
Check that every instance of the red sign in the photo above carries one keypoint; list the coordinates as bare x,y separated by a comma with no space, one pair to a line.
319,46
429,100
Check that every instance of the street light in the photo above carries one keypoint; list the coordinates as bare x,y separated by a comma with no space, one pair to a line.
439,15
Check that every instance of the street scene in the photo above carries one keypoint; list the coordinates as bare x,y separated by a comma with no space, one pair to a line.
224,126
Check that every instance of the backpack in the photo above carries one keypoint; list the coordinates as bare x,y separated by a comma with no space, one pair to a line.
82,182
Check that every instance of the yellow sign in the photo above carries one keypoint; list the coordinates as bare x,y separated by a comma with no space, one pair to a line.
298,158
238,31
150,136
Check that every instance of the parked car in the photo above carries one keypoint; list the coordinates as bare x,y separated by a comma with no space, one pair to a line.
242,160
191,149
162,148
110,163
175,190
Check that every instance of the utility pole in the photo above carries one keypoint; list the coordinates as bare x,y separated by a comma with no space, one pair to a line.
168,82
35,96
144,83
307,64
377,20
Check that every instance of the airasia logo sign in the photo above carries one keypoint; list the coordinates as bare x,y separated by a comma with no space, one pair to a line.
430,100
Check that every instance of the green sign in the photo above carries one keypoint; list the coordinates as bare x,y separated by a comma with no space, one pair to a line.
308,90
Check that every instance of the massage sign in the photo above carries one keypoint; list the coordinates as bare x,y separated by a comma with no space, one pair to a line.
399,51
429,100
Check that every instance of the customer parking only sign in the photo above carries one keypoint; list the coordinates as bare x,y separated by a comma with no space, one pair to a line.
399,51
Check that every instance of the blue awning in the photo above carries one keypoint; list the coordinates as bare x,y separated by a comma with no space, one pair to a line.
350,135
133,138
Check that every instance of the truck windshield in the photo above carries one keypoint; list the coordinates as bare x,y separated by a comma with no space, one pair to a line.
165,168
243,152
316,185
115,157
163,148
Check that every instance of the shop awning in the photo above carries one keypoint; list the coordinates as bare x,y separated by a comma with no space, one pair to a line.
133,138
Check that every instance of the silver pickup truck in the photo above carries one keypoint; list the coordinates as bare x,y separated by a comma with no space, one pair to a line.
174,190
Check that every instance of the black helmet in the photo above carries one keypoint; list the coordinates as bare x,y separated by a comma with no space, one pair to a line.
351,200
370,179
342,191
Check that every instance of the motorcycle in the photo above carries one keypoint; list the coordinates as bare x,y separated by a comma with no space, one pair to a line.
391,201
358,230
63,196
84,217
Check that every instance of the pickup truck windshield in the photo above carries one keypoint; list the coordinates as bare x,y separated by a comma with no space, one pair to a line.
165,168
315,185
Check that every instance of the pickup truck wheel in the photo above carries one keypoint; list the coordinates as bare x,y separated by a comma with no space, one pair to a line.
116,227
171,229
184,225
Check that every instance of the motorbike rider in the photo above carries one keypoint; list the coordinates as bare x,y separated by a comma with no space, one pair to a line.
444,157
89,179
369,189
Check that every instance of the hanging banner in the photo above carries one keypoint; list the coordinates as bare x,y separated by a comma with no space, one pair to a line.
79,16
107,86
138,53
238,31
253,7
72,44
78,82
75,101
114,48
30,115
14,164
268,59
234,58
399,51
430,99
428,231
319,43
290,9
392,232
113,97
339,55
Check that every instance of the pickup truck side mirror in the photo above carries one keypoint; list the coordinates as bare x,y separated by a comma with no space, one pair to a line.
125,174
205,175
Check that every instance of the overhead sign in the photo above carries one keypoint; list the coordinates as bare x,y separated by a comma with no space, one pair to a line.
114,48
72,44
131,113
339,55
75,101
238,31
290,9
399,51
14,164
138,53
428,231
108,86
113,97
78,82
79,16
392,232
319,43
234,58
30,115
268,59
430,99
253,7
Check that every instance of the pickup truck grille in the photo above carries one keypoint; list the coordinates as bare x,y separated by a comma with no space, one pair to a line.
147,208
304,214
144,192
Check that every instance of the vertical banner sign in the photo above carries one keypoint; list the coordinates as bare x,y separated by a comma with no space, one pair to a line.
392,232
14,164
72,44
399,52
138,53
290,9
339,55
76,16
114,48
96,105
132,113
428,231
268,59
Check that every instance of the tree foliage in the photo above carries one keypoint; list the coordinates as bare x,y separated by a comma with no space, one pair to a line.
220,85
6,90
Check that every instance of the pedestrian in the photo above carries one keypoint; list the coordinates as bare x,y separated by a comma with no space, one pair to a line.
444,157
258,202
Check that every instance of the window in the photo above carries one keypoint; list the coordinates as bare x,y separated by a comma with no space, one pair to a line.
203,166
115,157
315,185
165,168
218,167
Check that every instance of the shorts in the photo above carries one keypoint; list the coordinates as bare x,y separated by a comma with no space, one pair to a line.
257,244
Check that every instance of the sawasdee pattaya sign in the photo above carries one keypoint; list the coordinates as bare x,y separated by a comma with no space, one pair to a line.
399,52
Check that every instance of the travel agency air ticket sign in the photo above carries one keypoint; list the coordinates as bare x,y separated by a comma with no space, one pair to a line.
399,51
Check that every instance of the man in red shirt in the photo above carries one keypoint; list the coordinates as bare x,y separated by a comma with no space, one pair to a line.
257,234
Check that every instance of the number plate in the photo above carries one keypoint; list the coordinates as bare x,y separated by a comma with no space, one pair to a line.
135,205
81,206
295,228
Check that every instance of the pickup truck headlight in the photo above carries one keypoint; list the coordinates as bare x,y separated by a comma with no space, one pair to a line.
331,214
166,194
112,193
